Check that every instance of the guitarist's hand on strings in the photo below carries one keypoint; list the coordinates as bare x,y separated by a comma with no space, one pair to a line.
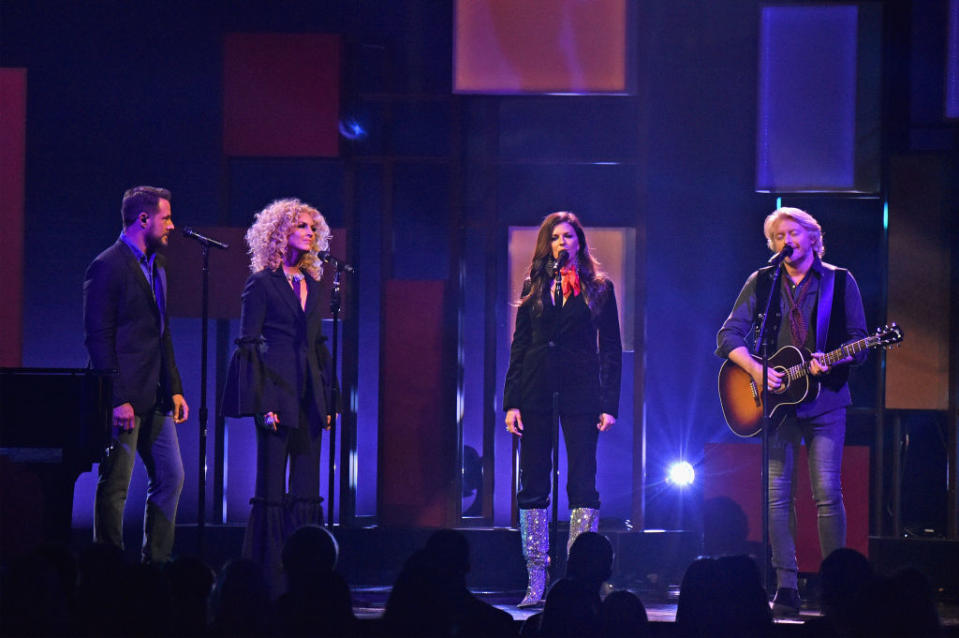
741,357
774,381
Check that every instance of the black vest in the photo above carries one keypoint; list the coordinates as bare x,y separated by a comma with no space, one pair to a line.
835,335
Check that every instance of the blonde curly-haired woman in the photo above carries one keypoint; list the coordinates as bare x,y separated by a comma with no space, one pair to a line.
278,375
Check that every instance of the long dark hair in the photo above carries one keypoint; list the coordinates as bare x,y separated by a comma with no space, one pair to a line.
592,278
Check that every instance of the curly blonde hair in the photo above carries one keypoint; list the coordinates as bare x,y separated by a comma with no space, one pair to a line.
271,229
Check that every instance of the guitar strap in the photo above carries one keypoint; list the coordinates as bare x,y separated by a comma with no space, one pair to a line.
827,286
764,287
830,309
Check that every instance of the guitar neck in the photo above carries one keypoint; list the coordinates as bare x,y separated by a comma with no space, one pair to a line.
849,349
840,353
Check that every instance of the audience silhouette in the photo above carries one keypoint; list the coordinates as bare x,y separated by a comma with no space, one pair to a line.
901,605
623,614
240,602
317,601
844,578
191,581
49,592
430,597
573,603
723,597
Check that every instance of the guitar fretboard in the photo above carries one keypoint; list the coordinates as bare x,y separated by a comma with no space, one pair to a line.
846,350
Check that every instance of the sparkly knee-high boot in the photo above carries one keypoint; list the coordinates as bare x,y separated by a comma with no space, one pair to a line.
581,519
534,530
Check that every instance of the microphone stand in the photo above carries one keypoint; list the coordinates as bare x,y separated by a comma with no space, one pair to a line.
557,295
335,304
205,244
204,338
766,424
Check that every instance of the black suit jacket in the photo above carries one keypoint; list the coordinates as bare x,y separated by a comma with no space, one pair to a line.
568,349
124,331
281,354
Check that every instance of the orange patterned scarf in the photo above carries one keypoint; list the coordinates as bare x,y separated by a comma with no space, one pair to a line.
570,281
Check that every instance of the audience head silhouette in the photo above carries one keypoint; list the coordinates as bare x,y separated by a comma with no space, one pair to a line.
309,551
590,559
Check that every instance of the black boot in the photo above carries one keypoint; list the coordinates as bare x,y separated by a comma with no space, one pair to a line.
786,603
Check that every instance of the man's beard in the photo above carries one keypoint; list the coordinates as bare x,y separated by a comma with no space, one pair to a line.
156,244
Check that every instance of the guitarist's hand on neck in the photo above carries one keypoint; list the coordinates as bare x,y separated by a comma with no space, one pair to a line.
818,365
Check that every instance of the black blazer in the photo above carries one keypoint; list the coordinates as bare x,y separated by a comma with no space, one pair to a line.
566,348
281,355
123,331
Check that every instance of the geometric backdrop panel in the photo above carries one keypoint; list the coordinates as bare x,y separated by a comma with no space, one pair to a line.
281,94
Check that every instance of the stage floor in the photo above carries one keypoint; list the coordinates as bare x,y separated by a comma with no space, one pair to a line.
368,603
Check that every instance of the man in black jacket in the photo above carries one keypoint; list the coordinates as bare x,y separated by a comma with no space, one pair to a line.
126,329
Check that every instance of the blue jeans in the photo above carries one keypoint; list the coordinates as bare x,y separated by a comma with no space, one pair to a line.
154,437
824,436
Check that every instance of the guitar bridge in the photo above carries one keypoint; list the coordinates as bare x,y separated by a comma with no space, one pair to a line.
755,391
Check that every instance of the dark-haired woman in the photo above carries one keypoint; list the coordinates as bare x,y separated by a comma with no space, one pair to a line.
566,341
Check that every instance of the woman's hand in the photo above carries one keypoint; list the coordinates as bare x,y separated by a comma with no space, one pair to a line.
329,421
606,421
181,411
268,421
514,422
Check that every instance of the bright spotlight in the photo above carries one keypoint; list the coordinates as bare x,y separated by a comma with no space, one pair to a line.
680,474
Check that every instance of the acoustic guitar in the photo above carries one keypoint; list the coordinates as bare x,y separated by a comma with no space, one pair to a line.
740,396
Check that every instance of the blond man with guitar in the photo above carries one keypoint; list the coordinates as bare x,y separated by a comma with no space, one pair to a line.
816,309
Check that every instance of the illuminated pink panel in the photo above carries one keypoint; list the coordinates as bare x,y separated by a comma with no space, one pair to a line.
540,46
732,470
281,95
13,125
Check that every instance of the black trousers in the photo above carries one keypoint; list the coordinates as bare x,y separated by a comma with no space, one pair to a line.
535,459
300,447
279,509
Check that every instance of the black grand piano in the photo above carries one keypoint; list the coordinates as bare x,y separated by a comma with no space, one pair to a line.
54,425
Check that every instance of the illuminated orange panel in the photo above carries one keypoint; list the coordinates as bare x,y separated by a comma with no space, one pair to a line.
540,46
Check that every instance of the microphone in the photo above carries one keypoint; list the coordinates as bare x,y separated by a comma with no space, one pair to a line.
206,241
780,257
561,260
327,258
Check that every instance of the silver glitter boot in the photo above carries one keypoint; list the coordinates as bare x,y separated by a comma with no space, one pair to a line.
581,519
533,527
